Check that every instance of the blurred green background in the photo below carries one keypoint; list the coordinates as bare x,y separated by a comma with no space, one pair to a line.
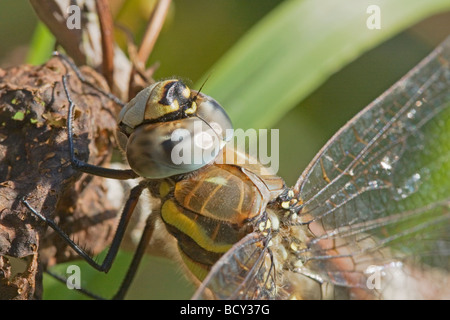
196,35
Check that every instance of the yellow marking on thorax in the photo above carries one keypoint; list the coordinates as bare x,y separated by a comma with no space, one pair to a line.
241,197
199,270
164,189
217,180
172,215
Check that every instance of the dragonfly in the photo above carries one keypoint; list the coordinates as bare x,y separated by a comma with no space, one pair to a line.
369,217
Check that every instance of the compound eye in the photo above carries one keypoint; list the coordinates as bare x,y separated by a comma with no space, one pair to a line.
211,112
160,150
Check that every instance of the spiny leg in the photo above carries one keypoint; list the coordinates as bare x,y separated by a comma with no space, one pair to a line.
81,165
80,76
95,170
63,280
114,248
137,257
132,269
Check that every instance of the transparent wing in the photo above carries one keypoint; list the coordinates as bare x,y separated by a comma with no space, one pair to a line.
245,272
376,198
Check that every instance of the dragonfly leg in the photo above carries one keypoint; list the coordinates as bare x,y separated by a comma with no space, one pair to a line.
137,257
120,232
80,76
131,272
63,280
81,165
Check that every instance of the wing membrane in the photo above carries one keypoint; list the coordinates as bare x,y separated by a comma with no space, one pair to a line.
244,272
375,202
377,196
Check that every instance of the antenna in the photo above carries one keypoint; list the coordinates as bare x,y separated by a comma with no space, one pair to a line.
201,87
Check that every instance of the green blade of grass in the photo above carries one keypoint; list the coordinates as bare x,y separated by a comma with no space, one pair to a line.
299,45
41,46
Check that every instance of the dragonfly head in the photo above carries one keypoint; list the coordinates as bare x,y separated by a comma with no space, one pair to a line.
169,129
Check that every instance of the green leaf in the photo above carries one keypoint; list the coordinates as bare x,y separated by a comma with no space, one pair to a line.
41,46
297,47
19,116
